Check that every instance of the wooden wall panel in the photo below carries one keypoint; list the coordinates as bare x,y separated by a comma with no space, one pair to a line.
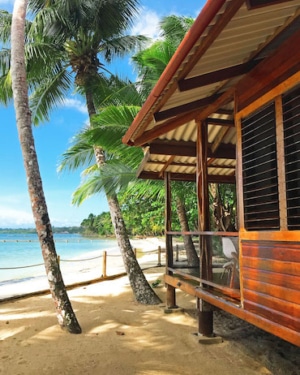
270,274
276,316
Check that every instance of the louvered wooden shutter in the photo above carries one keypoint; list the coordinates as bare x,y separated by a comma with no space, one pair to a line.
291,123
260,180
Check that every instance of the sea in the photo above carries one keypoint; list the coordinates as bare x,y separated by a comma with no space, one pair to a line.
21,257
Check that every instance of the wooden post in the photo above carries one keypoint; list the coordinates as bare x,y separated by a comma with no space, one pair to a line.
159,256
177,253
205,318
205,312
171,297
104,260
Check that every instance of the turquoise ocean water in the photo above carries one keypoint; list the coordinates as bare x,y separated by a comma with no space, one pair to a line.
18,252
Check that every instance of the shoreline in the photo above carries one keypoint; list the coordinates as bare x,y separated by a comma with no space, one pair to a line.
84,271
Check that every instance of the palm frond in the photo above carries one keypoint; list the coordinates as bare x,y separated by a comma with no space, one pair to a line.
5,56
5,27
40,55
116,176
121,46
143,189
79,154
111,178
49,93
6,93
108,128
174,28
116,91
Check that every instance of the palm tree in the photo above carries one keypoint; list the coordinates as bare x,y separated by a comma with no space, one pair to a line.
85,37
181,190
67,45
113,175
66,316
151,63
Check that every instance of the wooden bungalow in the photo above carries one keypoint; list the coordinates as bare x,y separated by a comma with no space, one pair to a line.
227,110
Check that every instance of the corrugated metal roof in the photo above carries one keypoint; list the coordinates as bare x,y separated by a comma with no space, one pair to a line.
248,35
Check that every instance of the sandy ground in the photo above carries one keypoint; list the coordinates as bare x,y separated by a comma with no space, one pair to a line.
121,337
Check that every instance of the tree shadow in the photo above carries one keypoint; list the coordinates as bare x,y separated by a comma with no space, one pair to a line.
120,337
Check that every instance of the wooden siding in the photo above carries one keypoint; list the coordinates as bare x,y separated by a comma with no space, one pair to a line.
271,281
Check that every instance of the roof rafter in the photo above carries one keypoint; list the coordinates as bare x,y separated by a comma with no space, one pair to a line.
199,114
188,107
181,148
217,76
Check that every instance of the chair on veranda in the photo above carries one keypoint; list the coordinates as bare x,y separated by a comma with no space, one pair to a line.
230,249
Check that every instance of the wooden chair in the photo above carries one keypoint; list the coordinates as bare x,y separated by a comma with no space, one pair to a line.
231,252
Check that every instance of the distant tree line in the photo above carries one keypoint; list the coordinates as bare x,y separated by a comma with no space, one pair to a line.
70,230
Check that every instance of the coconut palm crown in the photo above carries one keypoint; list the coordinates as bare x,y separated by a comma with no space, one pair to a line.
69,45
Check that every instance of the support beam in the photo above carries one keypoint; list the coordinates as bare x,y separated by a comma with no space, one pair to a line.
217,76
181,148
165,167
184,108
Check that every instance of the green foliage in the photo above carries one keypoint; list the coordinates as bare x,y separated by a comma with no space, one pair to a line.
143,216
98,225
222,199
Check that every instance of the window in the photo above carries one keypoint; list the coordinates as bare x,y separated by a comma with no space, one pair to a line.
260,165
260,180
291,125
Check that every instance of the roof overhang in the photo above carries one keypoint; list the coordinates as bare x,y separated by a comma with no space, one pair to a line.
229,41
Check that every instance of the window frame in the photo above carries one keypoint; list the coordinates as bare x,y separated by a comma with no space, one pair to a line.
275,96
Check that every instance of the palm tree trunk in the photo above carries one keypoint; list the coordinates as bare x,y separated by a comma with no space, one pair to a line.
142,291
191,254
65,314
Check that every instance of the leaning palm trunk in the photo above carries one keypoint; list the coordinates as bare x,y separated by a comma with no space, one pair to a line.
65,314
191,254
142,291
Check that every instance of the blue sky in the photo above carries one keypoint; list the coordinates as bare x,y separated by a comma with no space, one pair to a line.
52,139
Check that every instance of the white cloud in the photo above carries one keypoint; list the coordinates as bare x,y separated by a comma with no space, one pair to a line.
75,104
14,218
148,24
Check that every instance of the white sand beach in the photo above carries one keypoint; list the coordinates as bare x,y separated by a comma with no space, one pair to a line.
122,337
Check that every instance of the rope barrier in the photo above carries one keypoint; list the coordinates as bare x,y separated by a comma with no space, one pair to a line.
74,260
66,241
16,268
79,260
